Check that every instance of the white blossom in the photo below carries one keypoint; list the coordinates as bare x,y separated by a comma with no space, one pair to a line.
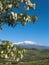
21,14
8,46
27,18
2,51
12,54
11,45
19,52
21,56
14,48
6,56
28,2
23,22
1,6
26,7
9,6
17,59
14,15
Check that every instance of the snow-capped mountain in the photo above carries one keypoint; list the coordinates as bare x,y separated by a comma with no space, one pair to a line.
26,42
30,44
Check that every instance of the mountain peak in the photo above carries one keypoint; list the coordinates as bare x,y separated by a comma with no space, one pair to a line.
30,42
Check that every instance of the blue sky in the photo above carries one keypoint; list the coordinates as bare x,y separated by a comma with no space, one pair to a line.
38,32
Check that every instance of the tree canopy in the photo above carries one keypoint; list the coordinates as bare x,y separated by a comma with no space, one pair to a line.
10,17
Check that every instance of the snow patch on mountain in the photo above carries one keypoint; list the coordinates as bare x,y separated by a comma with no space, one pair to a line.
26,42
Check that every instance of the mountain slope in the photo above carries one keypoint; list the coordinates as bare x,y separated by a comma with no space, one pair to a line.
30,44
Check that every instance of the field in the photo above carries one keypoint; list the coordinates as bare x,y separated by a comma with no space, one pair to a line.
35,62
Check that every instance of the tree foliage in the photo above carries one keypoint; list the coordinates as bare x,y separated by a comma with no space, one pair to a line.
10,17
10,52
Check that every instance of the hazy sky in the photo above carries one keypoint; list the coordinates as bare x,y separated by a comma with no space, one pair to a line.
38,32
